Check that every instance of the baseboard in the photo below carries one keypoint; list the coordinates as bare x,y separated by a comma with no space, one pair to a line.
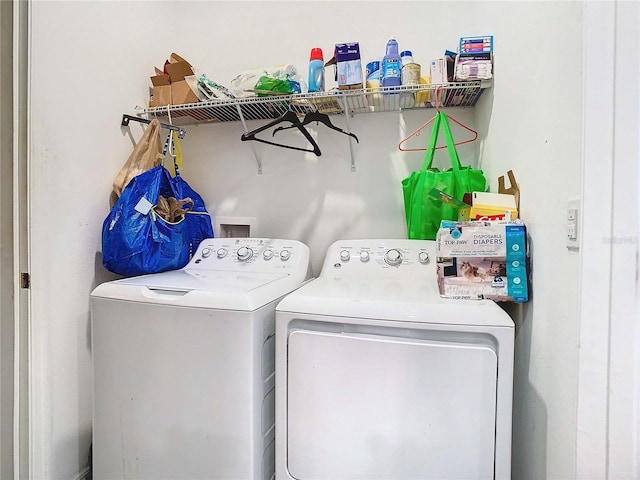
82,474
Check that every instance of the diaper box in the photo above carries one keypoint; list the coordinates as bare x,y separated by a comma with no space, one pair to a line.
483,260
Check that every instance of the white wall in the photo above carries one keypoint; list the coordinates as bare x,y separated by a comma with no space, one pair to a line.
90,64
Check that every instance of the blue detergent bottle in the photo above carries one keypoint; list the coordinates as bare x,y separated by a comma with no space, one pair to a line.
316,71
391,65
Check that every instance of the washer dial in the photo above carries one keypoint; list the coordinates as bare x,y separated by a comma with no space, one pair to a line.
345,255
285,255
393,257
244,254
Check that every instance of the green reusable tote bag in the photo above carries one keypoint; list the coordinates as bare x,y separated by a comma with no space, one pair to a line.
423,211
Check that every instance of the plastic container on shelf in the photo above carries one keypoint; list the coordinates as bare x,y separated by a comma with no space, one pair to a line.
316,71
372,82
391,65
410,73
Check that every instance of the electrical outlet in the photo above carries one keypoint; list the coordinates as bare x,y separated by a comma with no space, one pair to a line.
573,224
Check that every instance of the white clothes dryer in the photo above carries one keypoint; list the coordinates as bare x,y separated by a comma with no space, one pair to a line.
378,377
184,364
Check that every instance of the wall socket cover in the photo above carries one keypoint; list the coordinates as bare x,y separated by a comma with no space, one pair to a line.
573,224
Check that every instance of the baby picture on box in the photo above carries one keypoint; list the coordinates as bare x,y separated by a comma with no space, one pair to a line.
473,277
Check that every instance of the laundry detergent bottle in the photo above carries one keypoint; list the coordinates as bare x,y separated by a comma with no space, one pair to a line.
391,65
316,71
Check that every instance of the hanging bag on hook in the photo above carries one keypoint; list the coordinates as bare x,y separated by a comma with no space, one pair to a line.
146,154
156,224
424,211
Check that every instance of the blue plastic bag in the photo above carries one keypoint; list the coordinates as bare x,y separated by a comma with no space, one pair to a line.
137,241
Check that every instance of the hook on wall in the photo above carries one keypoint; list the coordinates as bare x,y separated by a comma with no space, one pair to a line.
127,118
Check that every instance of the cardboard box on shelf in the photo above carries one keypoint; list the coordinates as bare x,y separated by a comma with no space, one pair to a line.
438,70
160,91
349,65
170,86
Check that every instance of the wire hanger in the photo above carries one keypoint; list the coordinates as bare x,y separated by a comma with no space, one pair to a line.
291,117
416,133
318,117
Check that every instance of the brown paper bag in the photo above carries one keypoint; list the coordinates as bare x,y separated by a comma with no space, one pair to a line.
146,154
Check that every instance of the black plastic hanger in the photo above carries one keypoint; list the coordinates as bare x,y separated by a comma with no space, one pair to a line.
318,117
291,117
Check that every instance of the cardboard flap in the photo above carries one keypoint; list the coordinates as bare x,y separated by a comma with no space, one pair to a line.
177,71
513,188
160,80
175,58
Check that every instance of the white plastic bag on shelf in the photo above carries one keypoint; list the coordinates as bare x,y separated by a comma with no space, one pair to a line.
207,89
246,81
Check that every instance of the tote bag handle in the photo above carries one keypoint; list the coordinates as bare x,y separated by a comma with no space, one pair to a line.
441,120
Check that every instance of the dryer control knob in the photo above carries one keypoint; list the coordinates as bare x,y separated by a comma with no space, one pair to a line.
285,255
423,258
244,253
345,255
222,252
393,257
206,252
267,254
364,256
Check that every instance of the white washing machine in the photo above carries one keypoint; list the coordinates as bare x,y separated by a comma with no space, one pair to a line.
377,377
184,364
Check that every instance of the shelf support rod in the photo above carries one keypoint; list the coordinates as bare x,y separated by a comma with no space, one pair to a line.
127,118
253,148
348,129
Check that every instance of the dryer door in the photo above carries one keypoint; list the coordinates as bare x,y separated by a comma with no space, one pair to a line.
381,406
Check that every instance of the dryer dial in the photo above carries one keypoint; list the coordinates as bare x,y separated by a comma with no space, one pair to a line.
423,258
393,257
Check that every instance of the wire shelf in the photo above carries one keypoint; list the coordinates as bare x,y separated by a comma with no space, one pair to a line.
335,102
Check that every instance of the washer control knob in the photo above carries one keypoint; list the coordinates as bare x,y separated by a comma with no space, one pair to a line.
222,252
244,254
206,252
364,256
345,255
267,254
423,258
393,257
285,255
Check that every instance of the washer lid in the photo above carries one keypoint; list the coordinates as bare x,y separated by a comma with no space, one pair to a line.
203,280
201,288
409,299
